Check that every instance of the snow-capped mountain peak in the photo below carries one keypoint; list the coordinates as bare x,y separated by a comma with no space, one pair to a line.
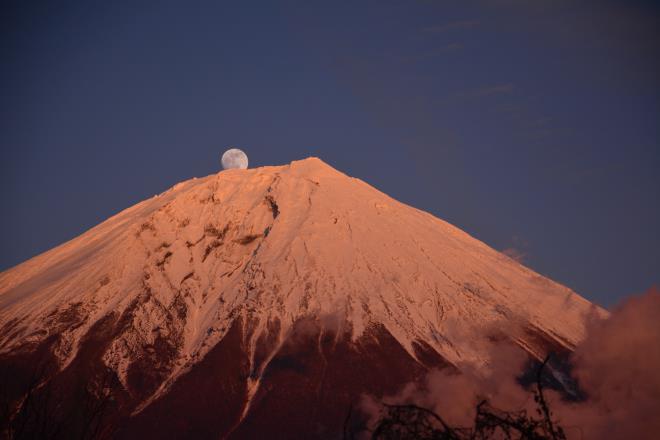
164,282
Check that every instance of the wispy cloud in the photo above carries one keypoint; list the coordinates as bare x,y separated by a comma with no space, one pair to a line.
448,48
451,47
518,249
452,26
480,92
515,254
497,89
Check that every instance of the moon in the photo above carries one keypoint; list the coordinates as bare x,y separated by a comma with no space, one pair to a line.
234,158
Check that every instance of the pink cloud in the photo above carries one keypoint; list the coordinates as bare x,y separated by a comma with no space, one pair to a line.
617,366
514,254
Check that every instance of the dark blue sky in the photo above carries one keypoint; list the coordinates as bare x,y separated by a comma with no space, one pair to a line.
531,125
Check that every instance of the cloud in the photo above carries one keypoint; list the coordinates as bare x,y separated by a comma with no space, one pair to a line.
455,396
617,366
518,250
447,48
452,26
497,89
451,47
515,254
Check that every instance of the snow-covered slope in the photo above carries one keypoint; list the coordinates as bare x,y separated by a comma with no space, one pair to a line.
278,244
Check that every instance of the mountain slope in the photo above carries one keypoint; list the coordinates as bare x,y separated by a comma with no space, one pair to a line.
249,267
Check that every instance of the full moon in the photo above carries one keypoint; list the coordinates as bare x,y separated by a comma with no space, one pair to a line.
234,158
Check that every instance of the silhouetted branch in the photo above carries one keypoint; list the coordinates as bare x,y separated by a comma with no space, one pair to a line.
540,399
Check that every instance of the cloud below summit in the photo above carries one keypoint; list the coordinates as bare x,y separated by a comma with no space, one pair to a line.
616,366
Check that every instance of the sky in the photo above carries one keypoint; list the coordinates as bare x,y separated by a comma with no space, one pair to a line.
533,126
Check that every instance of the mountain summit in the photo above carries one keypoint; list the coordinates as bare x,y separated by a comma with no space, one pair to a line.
265,300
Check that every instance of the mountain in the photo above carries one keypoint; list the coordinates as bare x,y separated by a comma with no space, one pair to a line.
260,301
